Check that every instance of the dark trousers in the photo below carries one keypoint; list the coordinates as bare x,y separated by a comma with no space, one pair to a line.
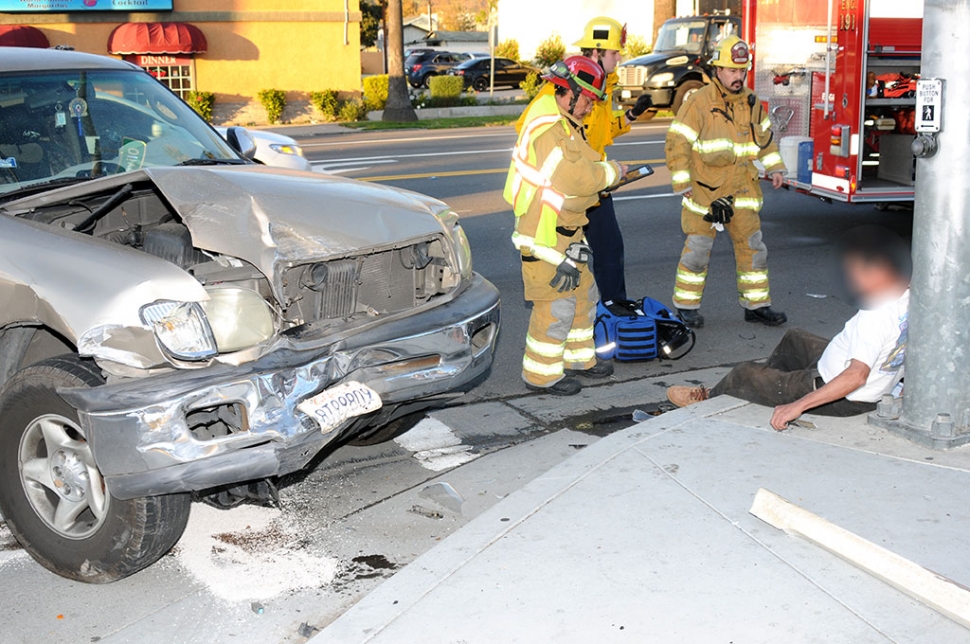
604,237
790,373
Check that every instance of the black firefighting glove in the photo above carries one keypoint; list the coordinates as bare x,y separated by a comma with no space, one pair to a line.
567,277
721,211
644,103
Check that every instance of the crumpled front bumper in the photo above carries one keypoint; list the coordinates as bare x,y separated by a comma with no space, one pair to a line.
140,430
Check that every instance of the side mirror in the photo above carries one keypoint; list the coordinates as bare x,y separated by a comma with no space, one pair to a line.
242,141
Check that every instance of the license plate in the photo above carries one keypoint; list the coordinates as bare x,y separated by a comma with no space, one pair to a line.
626,94
337,405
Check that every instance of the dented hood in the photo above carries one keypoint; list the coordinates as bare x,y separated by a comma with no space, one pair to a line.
276,218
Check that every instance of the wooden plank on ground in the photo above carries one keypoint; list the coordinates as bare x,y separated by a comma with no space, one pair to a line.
936,591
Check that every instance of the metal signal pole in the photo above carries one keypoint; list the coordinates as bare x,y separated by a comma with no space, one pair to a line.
936,403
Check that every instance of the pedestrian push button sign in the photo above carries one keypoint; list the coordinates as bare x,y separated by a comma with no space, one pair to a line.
929,105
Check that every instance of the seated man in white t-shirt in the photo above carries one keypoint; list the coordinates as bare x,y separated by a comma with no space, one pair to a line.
850,374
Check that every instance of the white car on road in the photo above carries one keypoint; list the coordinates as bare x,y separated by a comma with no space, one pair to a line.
276,150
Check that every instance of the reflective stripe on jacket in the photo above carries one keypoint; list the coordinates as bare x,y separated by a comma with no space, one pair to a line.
711,151
603,124
555,176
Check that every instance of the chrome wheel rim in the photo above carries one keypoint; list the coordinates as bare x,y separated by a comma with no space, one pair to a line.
60,479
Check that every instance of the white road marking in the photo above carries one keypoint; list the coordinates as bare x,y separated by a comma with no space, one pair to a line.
421,156
338,164
636,197
435,446
411,139
616,145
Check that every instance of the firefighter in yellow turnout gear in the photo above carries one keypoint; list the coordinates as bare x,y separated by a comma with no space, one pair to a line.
554,178
711,148
602,42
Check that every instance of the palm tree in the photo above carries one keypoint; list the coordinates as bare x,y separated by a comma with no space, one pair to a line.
398,106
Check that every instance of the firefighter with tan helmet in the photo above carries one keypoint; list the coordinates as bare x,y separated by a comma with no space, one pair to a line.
554,178
712,146
602,42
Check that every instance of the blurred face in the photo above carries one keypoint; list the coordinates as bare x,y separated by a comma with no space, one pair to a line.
732,79
869,281
583,107
608,59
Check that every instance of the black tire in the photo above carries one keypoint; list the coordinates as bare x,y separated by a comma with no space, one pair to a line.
129,536
387,432
480,84
426,83
686,89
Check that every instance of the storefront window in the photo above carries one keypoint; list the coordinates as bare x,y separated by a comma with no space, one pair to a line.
177,72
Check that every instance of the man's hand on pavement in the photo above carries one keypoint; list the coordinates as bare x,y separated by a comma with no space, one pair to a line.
777,180
785,414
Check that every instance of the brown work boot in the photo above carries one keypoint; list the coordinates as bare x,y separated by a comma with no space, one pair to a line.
687,396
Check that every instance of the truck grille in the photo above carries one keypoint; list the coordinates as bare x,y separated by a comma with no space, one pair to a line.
630,75
377,283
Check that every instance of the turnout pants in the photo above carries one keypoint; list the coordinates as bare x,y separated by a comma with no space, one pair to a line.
561,327
604,237
750,255
789,374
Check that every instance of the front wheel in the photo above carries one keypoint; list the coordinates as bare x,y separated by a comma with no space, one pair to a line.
52,494
684,92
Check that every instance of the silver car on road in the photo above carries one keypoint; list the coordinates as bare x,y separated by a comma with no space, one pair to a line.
178,319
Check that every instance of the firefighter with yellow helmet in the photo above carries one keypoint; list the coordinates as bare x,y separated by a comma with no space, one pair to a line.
603,41
555,177
712,146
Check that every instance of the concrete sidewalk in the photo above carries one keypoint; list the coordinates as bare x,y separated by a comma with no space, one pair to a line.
645,536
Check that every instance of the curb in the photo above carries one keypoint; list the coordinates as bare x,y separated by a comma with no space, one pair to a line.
457,112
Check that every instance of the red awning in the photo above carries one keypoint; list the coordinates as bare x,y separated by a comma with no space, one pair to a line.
22,36
157,38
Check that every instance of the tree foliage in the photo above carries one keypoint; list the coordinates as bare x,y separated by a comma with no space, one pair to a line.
370,23
508,49
550,50
636,46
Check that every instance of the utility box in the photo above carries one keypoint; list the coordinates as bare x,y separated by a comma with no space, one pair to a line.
896,160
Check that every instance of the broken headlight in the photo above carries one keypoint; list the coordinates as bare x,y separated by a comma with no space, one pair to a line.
463,250
239,318
181,329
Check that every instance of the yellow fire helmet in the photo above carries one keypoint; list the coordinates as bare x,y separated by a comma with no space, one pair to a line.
603,33
732,52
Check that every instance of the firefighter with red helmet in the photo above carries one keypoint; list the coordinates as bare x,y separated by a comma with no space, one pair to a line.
603,42
712,146
555,177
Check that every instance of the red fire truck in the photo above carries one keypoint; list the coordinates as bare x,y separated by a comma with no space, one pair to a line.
839,80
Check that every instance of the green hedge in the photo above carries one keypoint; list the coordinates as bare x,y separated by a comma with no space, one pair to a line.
375,92
274,102
352,111
202,102
326,102
531,85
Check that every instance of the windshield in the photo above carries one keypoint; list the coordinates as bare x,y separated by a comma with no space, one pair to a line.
82,124
682,36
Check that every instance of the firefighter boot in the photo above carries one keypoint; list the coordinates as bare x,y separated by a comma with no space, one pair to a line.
568,386
766,315
691,317
602,369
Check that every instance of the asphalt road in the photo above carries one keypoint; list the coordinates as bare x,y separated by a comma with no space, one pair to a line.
260,574
467,169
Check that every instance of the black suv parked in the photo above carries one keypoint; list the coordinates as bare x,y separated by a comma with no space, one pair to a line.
421,67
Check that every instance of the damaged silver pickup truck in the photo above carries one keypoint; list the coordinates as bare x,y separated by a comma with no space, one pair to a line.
177,318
